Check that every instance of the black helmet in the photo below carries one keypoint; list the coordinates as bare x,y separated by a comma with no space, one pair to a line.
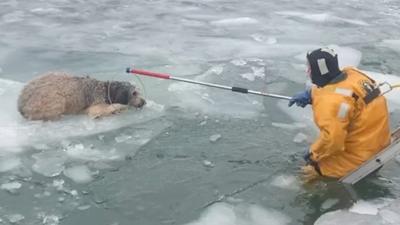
324,66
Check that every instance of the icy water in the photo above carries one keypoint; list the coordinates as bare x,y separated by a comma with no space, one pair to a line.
193,155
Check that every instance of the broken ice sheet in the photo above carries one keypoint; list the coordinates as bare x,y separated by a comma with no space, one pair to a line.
9,163
215,137
79,151
364,207
300,138
208,163
11,187
122,138
241,214
329,203
287,182
58,184
49,164
289,126
48,219
79,174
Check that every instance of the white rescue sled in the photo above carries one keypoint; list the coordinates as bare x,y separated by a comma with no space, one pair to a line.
375,162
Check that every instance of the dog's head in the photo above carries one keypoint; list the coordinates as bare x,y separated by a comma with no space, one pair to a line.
124,93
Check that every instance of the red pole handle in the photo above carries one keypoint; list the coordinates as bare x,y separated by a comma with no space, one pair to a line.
149,73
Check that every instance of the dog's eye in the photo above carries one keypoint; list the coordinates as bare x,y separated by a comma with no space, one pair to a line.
135,93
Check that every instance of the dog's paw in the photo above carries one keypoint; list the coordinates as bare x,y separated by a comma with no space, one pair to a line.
117,108
95,116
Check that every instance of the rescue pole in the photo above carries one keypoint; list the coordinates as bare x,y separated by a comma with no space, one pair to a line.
234,89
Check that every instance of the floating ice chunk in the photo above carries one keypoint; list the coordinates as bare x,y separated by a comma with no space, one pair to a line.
83,207
363,207
289,126
248,76
208,163
58,184
48,219
286,182
215,137
218,69
45,11
351,21
300,138
260,216
9,163
89,124
207,97
235,21
393,44
225,214
239,62
15,218
321,17
11,187
347,218
49,164
390,213
204,122
390,216
79,151
258,37
122,138
79,174
329,203
264,39
155,106
74,193
257,72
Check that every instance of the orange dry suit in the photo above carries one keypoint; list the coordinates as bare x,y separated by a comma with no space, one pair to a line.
353,120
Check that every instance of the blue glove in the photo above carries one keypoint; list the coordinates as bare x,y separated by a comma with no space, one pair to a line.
301,99
309,161
307,157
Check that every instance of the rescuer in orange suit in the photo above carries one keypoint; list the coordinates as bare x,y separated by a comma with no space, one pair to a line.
350,113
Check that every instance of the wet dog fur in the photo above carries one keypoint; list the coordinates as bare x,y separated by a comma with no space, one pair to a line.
54,94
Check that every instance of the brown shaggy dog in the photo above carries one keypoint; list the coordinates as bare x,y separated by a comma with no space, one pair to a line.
55,94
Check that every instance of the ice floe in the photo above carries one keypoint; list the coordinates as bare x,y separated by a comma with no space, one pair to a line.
235,21
375,212
16,131
79,174
226,214
322,17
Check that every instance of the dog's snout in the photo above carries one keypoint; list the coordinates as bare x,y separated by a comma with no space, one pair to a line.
142,103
